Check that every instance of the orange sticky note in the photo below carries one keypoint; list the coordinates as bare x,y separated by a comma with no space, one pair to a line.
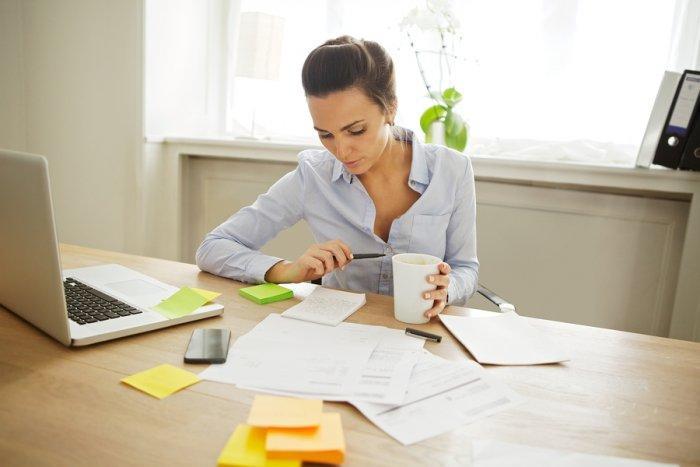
324,444
246,447
284,412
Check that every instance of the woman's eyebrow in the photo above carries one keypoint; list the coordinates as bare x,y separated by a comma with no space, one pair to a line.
342,129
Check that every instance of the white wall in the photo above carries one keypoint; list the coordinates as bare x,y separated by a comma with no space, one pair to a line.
12,113
79,64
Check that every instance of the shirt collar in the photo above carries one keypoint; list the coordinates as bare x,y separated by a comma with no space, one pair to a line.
419,165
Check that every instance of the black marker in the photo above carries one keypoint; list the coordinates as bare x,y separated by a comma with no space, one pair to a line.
424,335
368,255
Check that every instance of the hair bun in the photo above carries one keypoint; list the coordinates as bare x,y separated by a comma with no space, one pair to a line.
344,62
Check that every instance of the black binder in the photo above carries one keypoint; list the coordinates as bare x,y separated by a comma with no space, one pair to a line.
679,121
691,152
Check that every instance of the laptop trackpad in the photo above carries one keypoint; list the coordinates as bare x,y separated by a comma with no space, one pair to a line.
135,288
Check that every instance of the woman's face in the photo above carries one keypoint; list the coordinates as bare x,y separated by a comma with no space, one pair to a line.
351,126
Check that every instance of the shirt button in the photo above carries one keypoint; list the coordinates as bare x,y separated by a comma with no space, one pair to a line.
385,276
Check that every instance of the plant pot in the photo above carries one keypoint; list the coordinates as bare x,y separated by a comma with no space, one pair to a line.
436,135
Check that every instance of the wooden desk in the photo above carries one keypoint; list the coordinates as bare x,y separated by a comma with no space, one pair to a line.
622,394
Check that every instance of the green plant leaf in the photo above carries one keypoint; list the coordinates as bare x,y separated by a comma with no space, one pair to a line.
458,141
451,97
436,112
455,131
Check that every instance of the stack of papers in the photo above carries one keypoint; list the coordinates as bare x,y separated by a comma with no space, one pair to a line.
406,391
503,339
326,306
282,431
442,395
348,361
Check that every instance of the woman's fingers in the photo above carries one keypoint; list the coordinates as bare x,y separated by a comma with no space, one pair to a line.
345,249
323,258
437,294
439,280
326,257
313,264
436,309
337,251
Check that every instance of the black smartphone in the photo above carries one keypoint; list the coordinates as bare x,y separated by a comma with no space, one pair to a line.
208,346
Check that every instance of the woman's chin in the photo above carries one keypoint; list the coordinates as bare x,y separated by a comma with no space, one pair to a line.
356,167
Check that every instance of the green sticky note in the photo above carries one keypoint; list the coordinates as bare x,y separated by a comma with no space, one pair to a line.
266,293
181,303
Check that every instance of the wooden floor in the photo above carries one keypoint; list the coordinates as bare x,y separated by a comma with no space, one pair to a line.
621,394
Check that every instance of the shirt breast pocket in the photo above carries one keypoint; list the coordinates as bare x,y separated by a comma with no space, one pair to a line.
429,234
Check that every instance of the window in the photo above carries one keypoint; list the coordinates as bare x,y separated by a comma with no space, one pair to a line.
543,79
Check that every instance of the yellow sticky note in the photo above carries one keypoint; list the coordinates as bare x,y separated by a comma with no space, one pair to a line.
208,294
284,412
161,381
325,444
181,303
246,447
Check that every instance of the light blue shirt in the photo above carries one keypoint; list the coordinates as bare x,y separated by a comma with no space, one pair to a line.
442,222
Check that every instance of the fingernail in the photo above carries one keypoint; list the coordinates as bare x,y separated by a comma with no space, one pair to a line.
351,256
431,279
426,295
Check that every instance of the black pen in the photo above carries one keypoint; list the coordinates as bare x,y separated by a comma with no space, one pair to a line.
424,335
368,255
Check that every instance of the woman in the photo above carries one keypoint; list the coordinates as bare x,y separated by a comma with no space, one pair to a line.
374,189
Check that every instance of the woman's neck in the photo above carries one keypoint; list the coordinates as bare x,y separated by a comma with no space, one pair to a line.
395,160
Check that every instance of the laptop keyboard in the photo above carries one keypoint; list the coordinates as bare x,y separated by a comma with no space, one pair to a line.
87,305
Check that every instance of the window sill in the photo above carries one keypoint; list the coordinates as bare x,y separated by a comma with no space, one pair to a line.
655,181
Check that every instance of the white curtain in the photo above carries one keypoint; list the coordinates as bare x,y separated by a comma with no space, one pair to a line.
570,80
684,53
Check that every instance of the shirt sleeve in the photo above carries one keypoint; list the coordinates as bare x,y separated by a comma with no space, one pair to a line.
460,252
231,249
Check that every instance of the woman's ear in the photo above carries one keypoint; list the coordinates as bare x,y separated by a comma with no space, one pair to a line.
391,115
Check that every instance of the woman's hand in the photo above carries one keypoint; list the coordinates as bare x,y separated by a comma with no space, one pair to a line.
439,295
317,261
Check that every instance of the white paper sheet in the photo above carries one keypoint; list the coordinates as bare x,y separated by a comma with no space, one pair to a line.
301,289
503,339
326,306
285,356
487,453
446,407
384,377
433,375
293,355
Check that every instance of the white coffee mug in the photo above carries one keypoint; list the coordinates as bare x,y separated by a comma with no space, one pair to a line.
411,271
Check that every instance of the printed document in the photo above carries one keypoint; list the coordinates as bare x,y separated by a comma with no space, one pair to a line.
286,356
504,339
445,406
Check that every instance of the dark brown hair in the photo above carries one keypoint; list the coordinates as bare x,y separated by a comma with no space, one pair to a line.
346,62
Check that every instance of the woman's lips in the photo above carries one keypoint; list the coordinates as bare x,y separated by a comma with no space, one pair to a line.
351,164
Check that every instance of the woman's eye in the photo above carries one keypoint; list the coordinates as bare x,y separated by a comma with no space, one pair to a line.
357,132
324,135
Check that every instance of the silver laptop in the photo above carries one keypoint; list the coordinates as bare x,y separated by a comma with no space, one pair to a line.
77,306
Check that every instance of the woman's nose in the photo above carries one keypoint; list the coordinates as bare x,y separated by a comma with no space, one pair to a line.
341,150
